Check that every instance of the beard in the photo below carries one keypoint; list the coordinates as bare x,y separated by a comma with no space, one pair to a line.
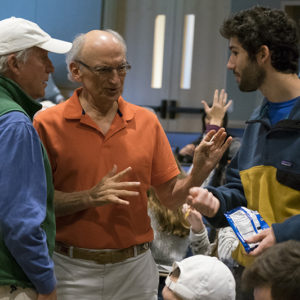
252,77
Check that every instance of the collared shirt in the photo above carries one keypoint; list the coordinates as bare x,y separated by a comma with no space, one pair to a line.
81,156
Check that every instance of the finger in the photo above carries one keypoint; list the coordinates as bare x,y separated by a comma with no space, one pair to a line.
120,201
112,172
228,105
227,143
216,96
205,105
122,173
116,200
256,251
194,191
223,97
208,137
125,193
219,137
115,196
124,185
255,238
221,142
111,198
189,199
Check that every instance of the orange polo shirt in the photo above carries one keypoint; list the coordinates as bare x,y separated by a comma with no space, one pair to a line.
81,156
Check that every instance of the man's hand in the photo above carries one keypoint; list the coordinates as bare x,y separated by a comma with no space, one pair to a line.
215,114
209,152
266,239
112,190
203,201
51,296
109,190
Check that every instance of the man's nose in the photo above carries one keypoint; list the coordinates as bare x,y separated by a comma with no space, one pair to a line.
114,76
230,64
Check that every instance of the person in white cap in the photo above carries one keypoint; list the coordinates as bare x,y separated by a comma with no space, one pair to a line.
27,223
199,277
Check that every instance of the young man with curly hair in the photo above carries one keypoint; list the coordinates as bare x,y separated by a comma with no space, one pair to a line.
265,174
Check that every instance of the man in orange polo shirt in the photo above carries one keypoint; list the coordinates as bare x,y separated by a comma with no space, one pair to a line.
105,154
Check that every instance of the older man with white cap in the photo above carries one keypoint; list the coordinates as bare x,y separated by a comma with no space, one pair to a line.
27,223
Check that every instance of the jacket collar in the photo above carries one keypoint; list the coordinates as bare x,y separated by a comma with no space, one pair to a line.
261,111
13,92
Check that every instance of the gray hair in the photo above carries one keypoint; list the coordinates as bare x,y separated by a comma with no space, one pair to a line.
73,54
78,44
21,56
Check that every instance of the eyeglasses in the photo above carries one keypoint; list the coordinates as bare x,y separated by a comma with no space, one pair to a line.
105,70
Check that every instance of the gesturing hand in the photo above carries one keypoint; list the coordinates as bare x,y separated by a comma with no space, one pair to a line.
112,190
211,149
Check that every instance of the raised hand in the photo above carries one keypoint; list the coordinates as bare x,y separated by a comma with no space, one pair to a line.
211,149
215,114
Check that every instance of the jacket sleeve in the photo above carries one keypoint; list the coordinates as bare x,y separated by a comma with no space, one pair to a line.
24,189
288,230
230,195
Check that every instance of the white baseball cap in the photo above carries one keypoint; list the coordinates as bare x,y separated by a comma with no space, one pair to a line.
17,34
202,278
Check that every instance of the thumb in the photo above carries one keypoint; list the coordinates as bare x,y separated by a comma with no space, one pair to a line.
194,191
228,104
255,238
205,105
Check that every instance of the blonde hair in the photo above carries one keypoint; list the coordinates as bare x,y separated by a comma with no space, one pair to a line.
172,222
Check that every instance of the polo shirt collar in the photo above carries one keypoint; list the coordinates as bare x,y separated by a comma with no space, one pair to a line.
73,109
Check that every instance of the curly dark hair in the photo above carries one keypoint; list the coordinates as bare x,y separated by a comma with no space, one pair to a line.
260,26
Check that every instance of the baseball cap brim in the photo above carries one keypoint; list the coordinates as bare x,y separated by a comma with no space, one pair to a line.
55,46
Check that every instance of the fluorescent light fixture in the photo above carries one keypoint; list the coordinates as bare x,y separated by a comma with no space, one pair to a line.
187,52
158,51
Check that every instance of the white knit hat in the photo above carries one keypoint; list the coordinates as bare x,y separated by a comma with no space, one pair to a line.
17,34
202,278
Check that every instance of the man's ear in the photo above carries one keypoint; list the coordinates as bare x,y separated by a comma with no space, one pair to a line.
263,54
13,64
75,71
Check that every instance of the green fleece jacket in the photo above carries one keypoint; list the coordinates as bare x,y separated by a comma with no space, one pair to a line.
12,98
